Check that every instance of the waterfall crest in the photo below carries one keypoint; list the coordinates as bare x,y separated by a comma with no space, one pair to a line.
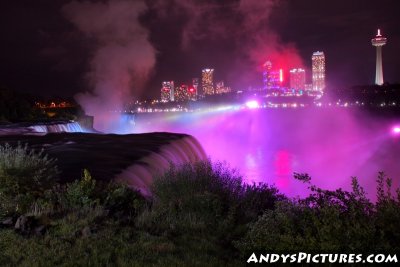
134,158
140,175
42,128
69,127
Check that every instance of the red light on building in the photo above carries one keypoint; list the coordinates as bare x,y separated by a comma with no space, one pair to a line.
167,91
281,75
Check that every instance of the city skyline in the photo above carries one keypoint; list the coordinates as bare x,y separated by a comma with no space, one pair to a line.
50,54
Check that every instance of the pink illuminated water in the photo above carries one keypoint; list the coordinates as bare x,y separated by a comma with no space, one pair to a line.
268,145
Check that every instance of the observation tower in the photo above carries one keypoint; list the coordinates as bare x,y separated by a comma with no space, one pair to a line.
379,41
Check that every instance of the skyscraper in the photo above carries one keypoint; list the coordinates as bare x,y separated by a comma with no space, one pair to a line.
165,95
207,77
272,78
318,71
167,91
220,88
195,84
297,79
182,93
378,42
192,93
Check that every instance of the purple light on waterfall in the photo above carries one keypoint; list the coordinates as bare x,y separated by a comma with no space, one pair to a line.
269,145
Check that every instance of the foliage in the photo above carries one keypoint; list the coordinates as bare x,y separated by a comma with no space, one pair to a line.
387,213
329,221
204,196
122,200
25,171
79,193
200,214
205,207
25,175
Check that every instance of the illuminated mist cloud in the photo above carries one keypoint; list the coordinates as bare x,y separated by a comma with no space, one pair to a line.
122,58
269,145
245,22
262,42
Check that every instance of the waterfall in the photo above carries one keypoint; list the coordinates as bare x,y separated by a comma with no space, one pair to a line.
140,175
42,128
68,127
135,158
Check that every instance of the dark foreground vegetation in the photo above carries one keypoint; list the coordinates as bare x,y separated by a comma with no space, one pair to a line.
199,215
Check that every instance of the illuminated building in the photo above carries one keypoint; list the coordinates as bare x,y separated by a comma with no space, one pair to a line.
297,79
167,91
379,41
272,78
165,95
308,87
207,81
182,93
220,88
195,84
192,93
318,71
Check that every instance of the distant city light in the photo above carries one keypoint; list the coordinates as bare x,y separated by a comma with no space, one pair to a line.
252,104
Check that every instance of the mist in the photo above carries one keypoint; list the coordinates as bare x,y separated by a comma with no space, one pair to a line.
269,145
122,60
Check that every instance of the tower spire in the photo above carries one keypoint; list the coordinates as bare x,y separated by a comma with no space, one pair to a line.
378,42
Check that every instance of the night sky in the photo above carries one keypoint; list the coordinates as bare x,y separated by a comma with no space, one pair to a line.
45,52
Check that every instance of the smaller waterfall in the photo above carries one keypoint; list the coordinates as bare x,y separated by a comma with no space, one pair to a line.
68,127
42,128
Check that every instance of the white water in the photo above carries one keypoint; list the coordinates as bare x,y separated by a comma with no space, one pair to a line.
41,129
140,175
70,127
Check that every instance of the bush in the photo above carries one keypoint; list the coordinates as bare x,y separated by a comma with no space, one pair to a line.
206,205
121,200
80,193
25,175
387,214
190,197
329,221
24,171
